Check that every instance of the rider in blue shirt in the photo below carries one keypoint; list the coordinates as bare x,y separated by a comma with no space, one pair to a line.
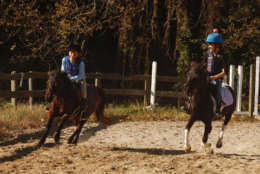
75,67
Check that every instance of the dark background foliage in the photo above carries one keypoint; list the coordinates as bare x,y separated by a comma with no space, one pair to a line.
124,36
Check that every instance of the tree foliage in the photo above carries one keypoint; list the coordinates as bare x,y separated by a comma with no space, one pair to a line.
124,36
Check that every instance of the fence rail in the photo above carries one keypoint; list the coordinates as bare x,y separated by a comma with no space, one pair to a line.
15,77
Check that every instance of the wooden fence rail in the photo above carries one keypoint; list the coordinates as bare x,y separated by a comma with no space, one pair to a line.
15,77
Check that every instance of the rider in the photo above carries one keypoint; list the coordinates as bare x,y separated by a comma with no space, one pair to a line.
215,65
75,68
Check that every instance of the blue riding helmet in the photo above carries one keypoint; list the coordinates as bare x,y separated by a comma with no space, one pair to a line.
214,38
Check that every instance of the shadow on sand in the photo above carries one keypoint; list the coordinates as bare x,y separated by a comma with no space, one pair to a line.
23,138
151,151
242,156
89,132
22,152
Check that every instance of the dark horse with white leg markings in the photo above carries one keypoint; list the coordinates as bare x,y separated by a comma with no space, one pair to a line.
66,102
202,105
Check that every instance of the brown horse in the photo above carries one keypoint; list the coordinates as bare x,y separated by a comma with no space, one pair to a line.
202,105
66,102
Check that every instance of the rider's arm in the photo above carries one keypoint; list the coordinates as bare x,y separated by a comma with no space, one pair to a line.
217,76
81,74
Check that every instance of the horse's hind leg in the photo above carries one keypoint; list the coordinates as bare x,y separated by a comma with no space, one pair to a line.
220,138
48,127
75,141
100,113
187,147
74,137
57,135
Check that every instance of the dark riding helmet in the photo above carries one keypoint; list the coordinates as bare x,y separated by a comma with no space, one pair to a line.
74,47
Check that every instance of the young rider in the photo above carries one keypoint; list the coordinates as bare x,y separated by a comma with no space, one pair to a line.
215,64
75,68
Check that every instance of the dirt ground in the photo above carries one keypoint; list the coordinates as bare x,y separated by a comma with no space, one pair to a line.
135,147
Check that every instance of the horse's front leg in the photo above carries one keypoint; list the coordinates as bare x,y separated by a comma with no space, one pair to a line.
75,141
57,135
221,134
187,147
74,137
207,147
48,127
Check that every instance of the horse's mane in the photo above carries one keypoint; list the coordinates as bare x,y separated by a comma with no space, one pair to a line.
58,74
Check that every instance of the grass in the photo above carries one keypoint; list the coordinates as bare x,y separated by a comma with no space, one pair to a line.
23,117
136,112
20,118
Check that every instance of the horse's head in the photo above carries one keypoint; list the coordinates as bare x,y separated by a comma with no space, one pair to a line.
196,77
56,82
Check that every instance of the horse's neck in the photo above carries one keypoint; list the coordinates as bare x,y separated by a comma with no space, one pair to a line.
70,93
201,93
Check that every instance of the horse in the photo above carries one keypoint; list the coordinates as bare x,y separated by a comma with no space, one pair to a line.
202,105
67,103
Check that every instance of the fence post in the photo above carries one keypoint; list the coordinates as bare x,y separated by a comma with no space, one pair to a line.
97,81
30,88
239,87
146,91
257,72
153,84
231,76
13,89
251,91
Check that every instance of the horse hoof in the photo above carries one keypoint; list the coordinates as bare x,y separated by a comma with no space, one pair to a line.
187,149
219,144
209,151
40,144
207,148
57,140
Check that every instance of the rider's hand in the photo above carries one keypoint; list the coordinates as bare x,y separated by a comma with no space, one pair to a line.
212,77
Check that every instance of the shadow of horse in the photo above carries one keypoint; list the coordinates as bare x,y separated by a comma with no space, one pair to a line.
89,132
248,157
22,152
23,138
151,151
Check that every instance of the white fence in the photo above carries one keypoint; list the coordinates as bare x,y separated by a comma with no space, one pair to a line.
253,89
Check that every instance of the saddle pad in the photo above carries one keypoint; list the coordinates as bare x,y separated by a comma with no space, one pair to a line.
226,95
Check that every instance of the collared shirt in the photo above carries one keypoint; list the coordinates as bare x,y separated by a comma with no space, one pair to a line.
75,71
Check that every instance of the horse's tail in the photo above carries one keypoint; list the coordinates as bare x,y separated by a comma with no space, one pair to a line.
101,107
